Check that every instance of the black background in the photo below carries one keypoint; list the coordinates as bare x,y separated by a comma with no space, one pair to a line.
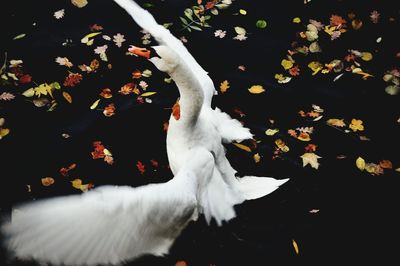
356,222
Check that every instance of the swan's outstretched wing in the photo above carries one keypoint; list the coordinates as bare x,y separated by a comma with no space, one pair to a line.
146,21
110,225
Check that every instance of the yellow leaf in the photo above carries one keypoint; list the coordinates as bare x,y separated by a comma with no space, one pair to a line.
271,132
295,246
43,89
4,132
296,20
315,66
256,89
224,86
356,125
287,64
310,158
336,122
79,3
76,183
257,157
243,147
67,96
366,56
94,105
87,37
360,163
149,93
47,181
29,92
107,152
281,145
242,12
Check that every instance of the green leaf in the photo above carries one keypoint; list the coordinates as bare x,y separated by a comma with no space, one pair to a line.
392,90
20,36
195,28
29,92
147,5
240,30
185,22
189,13
214,11
55,85
261,24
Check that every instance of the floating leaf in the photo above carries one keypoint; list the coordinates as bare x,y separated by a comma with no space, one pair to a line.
295,246
67,96
360,163
94,105
392,89
256,89
311,159
149,93
366,56
257,157
79,3
271,132
47,181
243,147
296,20
281,145
4,132
287,64
386,164
356,125
29,92
86,39
261,24
20,36
243,12
336,122
181,263
224,86
240,30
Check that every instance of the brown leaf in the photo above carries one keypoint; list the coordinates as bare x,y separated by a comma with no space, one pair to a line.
176,111
47,181
67,96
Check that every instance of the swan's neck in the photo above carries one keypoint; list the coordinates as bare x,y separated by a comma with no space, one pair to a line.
191,94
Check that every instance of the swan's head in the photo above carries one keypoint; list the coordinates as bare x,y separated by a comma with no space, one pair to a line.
168,59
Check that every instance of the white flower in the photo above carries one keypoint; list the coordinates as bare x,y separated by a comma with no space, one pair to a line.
119,39
63,61
59,14
101,49
240,37
220,33
143,84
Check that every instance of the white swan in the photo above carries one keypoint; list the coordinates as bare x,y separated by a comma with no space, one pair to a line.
109,225
200,125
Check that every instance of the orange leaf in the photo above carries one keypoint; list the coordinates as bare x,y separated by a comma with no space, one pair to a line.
224,86
176,111
67,96
243,147
181,263
386,164
47,181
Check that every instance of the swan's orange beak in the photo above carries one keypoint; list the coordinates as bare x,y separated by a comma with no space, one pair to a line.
138,51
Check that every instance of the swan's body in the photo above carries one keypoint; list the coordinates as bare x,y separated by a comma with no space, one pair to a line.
200,125
109,225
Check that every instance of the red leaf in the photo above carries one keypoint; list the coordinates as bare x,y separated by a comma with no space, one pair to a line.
140,167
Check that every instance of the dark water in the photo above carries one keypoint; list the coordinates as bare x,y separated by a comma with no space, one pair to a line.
356,221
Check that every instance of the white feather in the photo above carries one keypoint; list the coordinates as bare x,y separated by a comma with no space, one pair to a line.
109,225
200,125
